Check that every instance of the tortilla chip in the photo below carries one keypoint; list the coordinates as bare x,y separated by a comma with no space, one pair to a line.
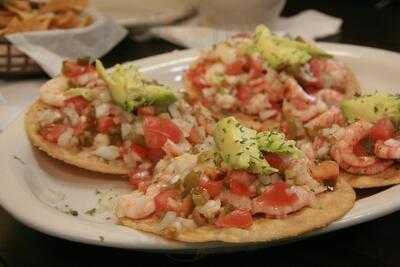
83,159
66,20
64,5
329,207
390,176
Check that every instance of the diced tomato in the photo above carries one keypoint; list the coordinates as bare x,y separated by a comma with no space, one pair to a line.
155,154
140,150
213,188
73,69
105,124
194,136
235,68
239,188
158,130
277,195
161,200
256,68
383,129
237,218
146,111
77,102
196,75
242,177
52,132
275,160
243,93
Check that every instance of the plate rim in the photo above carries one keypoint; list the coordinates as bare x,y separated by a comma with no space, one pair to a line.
155,62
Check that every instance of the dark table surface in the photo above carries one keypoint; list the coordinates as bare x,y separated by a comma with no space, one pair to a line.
376,243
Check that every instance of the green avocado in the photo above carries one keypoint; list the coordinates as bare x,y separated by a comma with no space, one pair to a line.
372,107
130,90
238,147
276,142
280,52
87,93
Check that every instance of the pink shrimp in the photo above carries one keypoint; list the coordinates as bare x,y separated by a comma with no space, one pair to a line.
389,149
304,198
330,97
303,115
295,91
326,119
342,151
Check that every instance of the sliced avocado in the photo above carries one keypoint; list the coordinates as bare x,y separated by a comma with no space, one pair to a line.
238,147
372,107
130,90
87,93
282,52
157,95
116,83
276,142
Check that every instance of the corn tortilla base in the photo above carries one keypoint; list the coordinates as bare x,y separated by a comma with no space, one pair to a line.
390,176
329,207
83,159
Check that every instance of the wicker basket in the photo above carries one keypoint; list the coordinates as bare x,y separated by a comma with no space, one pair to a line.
14,63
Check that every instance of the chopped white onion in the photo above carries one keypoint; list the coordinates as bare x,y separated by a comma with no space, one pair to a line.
107,152
72,115
102,110
64,139
48,116
101,140
126,129
210,208
168,219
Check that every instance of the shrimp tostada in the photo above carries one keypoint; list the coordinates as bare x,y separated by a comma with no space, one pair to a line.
243,187
368,148
115,122
261,79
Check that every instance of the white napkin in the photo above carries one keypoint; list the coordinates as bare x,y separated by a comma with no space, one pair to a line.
310,24
50,48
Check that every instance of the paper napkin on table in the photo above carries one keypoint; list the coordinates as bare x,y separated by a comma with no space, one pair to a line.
310,24
50,48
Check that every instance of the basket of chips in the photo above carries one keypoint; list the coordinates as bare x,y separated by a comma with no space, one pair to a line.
18,16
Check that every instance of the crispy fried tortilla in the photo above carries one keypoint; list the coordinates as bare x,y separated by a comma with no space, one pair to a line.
390,176
329,207
83,159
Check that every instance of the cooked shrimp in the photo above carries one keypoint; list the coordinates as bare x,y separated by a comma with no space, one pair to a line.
303,115
330,97
377,167
52,92
135,206
389,149
294,90
326,119
342,151
304,198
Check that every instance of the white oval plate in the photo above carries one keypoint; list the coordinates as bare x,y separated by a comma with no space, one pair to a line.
39,191
144,13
